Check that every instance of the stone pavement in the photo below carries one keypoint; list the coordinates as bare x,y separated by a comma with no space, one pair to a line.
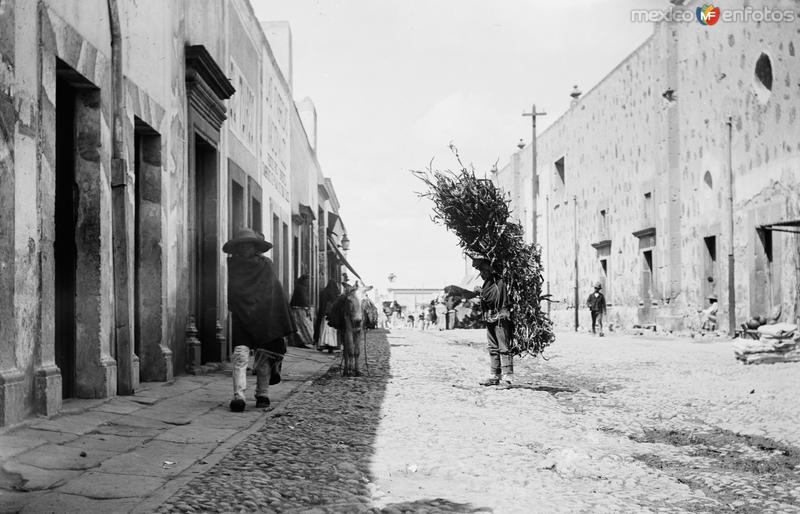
132,452
615,424
311,455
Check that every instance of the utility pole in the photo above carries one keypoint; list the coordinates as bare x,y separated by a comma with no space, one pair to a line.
575,233
547,250
534,177
731,284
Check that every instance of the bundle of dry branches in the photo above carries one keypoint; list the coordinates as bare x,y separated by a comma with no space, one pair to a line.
478,213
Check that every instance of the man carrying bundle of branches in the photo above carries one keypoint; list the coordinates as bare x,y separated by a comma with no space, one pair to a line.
496,313
479,215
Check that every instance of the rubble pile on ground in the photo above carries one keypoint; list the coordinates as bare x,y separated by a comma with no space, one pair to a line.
776,343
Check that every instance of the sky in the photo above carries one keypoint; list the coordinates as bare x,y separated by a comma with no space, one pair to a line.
395,82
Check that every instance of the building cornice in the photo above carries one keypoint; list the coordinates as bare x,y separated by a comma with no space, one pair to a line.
200,64
649,231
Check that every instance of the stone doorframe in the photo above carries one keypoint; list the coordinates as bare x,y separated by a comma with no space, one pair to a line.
87,69
144,118
206,89
646,243
12,378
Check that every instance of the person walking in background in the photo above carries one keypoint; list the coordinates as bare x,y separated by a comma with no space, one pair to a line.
397,318
441,314
708,316
495,305
301,313
597,306
430,316
259,314
388,315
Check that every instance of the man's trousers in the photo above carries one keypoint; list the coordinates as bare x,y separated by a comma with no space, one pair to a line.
498,335
597,319
266,364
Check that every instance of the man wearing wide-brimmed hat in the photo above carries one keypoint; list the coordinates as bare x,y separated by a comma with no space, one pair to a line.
495,305
597,306
708,316
259,313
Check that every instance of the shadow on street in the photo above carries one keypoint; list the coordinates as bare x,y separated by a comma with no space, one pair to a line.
312,455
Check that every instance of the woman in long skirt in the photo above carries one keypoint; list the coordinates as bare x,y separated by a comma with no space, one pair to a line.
325,334
441,314
301,313
327,338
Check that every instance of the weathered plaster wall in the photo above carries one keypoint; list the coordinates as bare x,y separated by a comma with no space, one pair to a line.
605,168
203,19
304,166
33,36
276,159
657,124
148,39
244,69
279,35
717,80
304,171
79,36
87,17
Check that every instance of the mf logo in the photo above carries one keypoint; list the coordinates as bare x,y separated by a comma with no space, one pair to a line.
707,14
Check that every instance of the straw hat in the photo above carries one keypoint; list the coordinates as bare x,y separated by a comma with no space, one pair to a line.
247,235
598,285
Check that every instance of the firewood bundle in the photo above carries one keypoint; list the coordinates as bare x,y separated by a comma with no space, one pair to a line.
478,213
369,314
776,343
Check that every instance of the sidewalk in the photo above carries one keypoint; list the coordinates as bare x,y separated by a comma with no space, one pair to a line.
133,452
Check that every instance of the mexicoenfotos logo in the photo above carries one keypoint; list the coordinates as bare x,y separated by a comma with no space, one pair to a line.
707,14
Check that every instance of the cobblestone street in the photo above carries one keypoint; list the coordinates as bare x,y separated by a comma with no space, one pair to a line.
618,424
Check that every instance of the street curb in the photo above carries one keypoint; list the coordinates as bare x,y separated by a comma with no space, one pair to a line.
162,494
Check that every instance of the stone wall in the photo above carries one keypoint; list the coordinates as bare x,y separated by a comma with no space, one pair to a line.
718,80
643,184
587,163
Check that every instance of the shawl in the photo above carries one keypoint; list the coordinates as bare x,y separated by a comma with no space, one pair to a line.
300,296
256,297
329,294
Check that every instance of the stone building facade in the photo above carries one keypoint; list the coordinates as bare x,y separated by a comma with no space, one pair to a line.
135,138
635,180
